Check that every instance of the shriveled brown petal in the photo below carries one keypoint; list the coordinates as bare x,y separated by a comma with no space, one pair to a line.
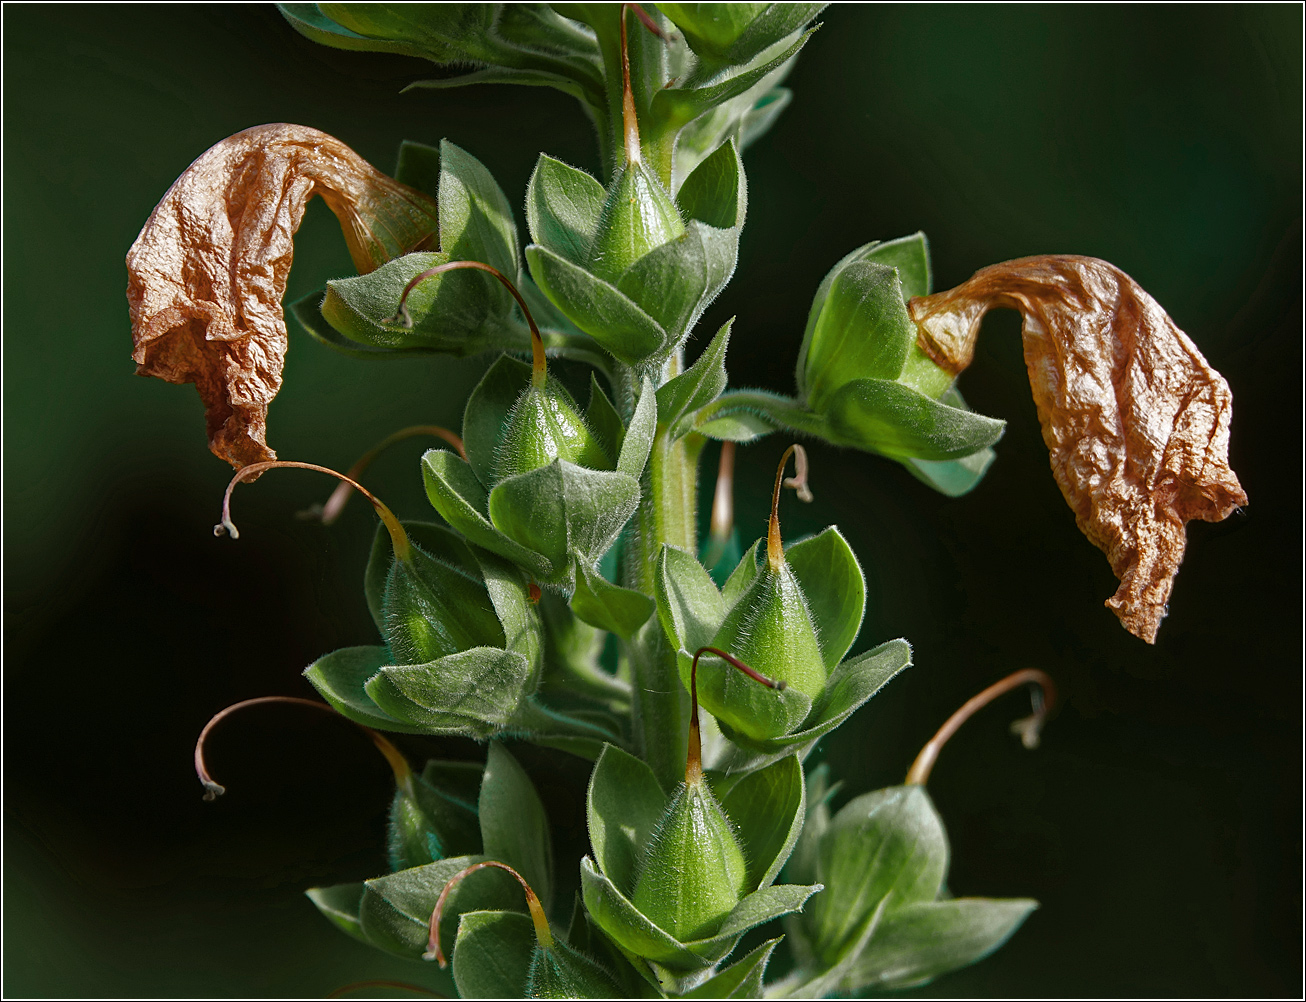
207,273
1136,421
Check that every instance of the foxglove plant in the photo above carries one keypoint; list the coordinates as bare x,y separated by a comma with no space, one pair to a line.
561,525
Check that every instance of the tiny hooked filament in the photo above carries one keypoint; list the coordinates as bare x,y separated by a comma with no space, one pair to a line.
542,933
403,549
213,790
539,367
775,552
335,504
1043,697
694,755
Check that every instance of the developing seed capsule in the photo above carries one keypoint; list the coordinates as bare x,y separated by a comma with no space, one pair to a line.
557,969
694,871
770,626
637,218
545,425
432,610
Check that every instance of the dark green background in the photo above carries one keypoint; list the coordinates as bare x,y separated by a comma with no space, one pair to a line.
1160,824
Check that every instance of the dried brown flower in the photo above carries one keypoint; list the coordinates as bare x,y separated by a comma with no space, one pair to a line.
207,273
1136,421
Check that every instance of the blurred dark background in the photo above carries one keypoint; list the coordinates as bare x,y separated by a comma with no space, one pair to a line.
1160,823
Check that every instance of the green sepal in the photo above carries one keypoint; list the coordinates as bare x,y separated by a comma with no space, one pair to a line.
561,508
563,205
436,540
848,688
677,281
637,442
631,930
597,307
341,678
674,107
730,34
431,818
308,311
910,255
340,903
890,841
622,808
919,942
609,607
473,693
880,415
690,607
486,414
835,590
824,979
310,22
395,912
768,807
573,649
863,331
696,387
741,577
476,222
603,419
716,192
953,477
492,954
741,980
432,610
562,972
745,415
514,826
460,498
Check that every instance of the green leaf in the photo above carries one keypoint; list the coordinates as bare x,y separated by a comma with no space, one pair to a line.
741,980
696,387
922,941
476,221
638,438
340,905
514,827
622,807
486,413
509,591
835,971
715,193
689,606
562,209
472,693
419,167
597,307
492,955
882,416
888,841
835,590
458,496
603,419
564,507
340,678
863,332
607,606
396,910
629,928
767,806
743,415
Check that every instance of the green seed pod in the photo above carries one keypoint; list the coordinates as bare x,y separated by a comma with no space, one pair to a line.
694,873
429,820
637,217
432,610
557,969
771,628
545,425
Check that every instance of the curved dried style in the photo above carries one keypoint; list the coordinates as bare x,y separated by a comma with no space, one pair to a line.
207,273
1136,421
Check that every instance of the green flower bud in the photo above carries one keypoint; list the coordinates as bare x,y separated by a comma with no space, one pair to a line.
545,425
637,217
